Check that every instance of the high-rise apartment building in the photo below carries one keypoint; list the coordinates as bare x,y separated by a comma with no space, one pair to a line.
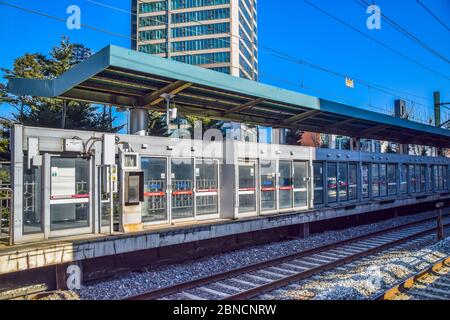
216,34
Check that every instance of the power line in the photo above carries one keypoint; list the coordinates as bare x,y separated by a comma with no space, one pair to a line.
278,54
356,102
132,38
375,40
433,15
406,33
282,55
303,86
43,14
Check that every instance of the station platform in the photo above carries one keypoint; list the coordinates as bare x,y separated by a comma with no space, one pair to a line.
101,256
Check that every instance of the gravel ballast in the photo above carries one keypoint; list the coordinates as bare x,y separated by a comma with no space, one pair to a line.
368,277
133,283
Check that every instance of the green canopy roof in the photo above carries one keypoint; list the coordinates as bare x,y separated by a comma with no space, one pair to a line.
127,78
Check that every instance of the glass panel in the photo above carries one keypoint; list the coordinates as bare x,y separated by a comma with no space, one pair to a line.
154,207
182,188
417,177
133,188
106,213
300,184
69,193
332,181
342,181
392,179
32,217
105,207
435,178
445,177
423,178
412,178
383,181
285,191
441,177
429,178
318,182
268,189
353,181
404,179
375,180
130,161
365,180
207,185
247,190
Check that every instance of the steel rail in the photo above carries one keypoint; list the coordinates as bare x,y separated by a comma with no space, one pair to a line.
405,285
324,267
177,288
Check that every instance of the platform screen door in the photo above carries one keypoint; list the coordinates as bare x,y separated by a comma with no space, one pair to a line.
247,187
300,184
154,208
69,193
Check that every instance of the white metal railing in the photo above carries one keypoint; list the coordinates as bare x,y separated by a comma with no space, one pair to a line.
6,201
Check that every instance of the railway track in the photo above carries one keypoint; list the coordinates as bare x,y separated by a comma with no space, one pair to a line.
254,280
432,283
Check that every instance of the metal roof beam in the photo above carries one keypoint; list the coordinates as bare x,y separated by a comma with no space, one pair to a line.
108,89
340,123
372,130
95,96
245,106
199,110
123,82
302,116
154,98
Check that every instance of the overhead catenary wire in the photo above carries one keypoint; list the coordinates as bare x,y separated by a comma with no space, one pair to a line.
46,15
287,57
43,14
292,59
133,38
375,40
406,33
433,15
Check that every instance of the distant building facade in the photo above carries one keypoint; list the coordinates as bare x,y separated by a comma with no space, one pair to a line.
220,35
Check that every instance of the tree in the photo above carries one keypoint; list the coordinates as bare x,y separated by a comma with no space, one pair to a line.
294,136
419,150
47,112
390,148
207,123
5,126
3,96
157,124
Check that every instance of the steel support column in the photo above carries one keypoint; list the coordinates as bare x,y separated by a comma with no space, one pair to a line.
138,121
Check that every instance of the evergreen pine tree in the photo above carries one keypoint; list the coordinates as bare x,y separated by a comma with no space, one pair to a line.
47,112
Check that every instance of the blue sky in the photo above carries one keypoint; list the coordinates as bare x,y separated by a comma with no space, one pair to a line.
290,26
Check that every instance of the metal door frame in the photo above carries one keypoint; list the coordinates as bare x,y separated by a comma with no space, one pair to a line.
48,233
168,193
196,194
259,189
279,209
194,204
308,179
318,188
254,163
110,228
